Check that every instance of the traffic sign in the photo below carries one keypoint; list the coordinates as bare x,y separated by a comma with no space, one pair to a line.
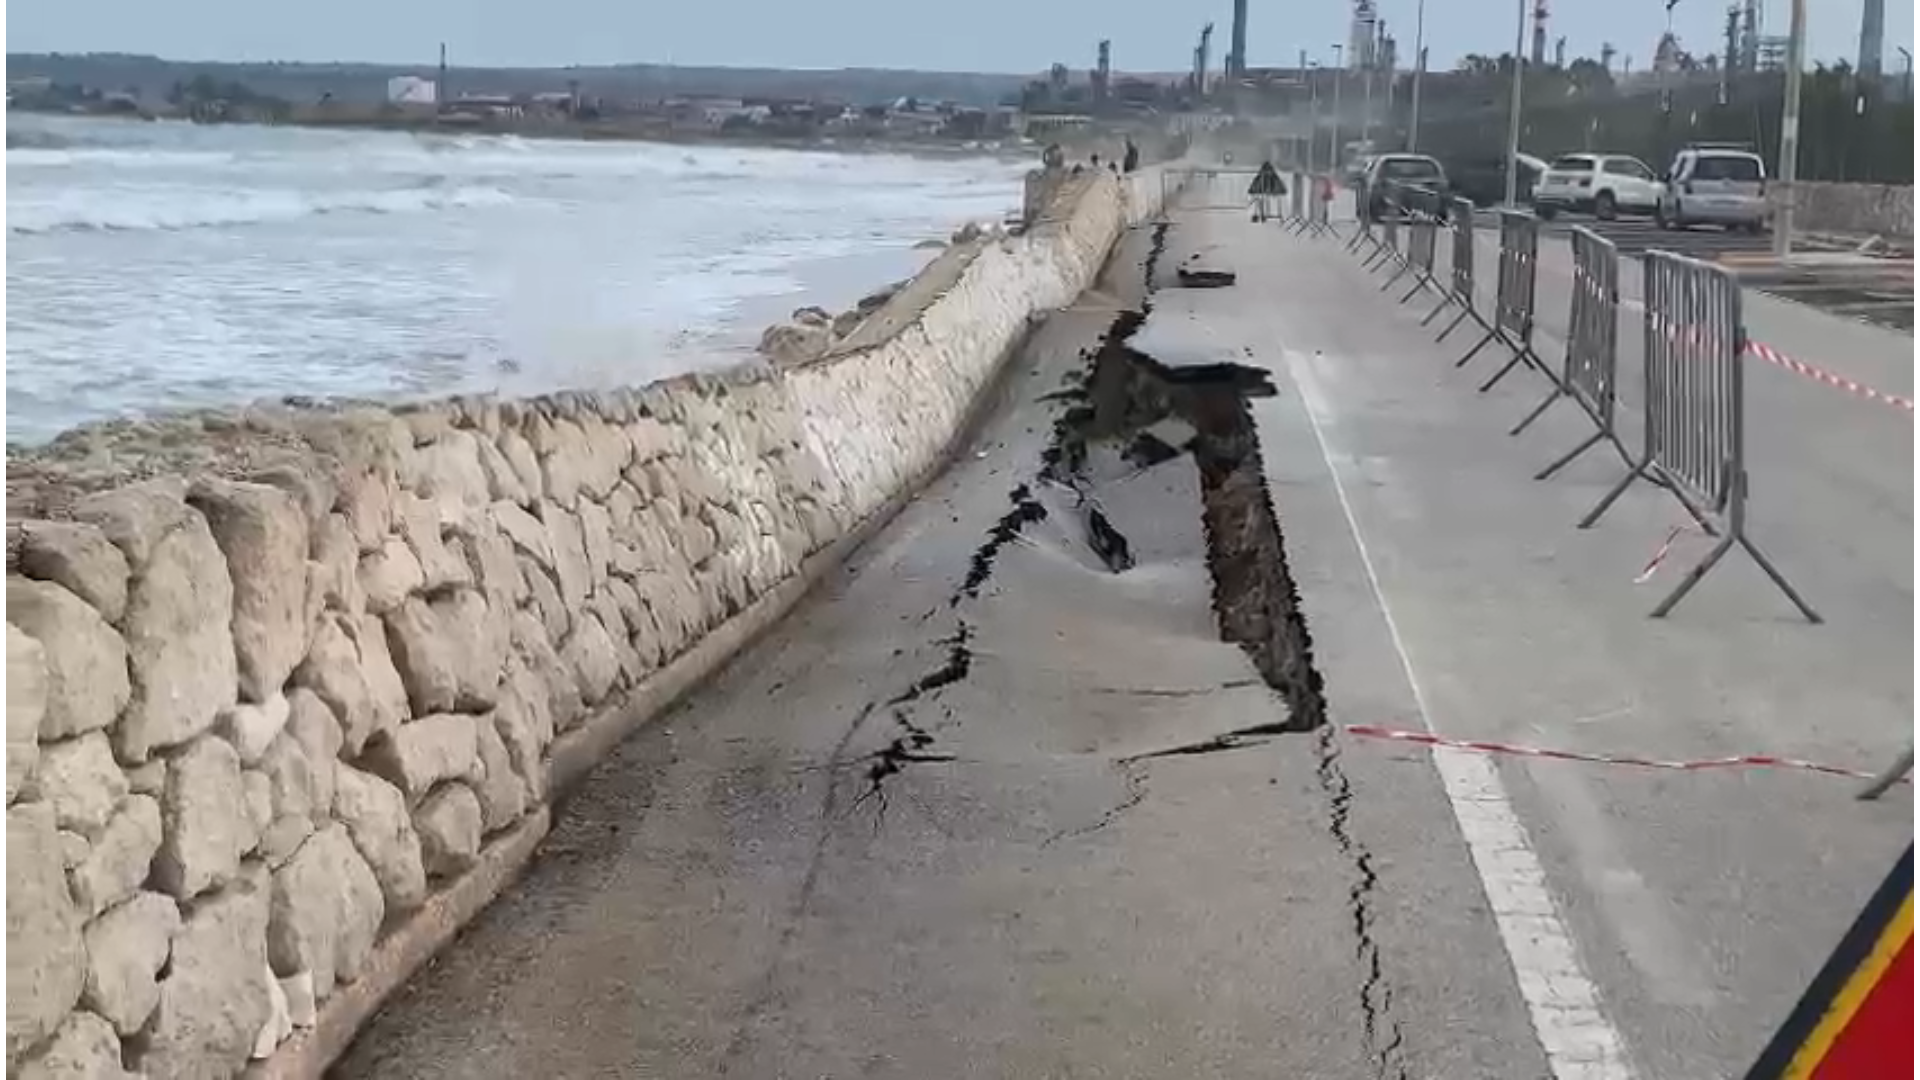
1855,1021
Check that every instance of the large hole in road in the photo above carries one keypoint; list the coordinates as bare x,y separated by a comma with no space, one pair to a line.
1153,413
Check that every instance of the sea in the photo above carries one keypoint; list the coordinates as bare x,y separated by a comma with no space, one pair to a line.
155,266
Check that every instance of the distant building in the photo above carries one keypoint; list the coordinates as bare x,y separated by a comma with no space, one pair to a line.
412,90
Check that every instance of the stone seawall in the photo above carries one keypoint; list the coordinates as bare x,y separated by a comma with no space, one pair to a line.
291,689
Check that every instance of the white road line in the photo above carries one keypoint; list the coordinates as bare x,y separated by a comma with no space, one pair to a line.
1564,1005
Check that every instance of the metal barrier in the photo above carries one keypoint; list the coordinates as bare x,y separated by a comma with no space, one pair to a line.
1296,199
1423,226
1363,214
1389,230
1513,299
1695,428
1317,209
1460,270
1593,329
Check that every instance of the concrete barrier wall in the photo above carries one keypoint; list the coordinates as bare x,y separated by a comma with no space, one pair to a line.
289,690
1854,210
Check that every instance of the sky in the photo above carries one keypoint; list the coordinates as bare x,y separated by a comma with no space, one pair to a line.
979,35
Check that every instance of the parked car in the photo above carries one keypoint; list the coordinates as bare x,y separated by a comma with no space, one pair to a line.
1604,185
1483,180
1714,185
1411,169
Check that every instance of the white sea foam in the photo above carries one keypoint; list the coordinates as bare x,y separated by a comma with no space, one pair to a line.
189,208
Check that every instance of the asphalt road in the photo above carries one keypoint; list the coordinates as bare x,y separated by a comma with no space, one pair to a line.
977,809
1697,904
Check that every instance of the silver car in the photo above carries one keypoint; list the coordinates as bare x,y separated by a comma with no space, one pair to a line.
1714,186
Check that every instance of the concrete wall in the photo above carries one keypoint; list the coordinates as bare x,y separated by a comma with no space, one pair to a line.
1854,210
289,690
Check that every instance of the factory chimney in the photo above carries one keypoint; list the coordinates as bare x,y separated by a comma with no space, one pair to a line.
1873,35
1539,33
1237,55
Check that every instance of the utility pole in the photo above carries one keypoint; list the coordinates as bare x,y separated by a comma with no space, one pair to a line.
1790,130
1333,150
1513,120
1906,73
1313,110
1419,69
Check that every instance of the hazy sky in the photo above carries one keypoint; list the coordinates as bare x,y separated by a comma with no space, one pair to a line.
976,35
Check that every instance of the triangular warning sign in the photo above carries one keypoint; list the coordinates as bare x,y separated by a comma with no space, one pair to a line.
1855,1021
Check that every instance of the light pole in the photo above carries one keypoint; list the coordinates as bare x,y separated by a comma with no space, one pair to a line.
1333,152
1513,121
1313,110
1790,130
1906,73
1419,68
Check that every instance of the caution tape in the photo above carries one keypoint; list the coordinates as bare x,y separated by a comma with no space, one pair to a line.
1748,761
1800,367
1646,572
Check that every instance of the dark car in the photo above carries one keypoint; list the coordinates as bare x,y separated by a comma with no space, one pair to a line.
1405,170
1483,180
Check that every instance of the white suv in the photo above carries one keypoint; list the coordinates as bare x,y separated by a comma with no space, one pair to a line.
1715,186
1604,185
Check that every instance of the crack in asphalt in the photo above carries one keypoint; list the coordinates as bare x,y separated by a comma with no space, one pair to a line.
1376,994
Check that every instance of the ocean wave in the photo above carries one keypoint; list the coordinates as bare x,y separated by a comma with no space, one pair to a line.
149,211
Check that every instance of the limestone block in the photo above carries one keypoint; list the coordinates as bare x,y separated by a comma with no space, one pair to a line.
607,610
698,541
213,1001
335,570
531,643
83,660
526,467
289,777
569,554
643,634
528,533
137,517
325,911
609,451
451,468
263,532
79,778
26,708
46,960
179,642
589,652
126,948
332,670
525,727
421,522
375,814
121,857
651,439
78,558
207,825
278,1024
257,792
503,482
312,725
252,728
502,794
623,503
389,574
149,778
544,600
495,567
366,501
563,451
480,637
84,1048
449,823
421,753
425,656
596,537
303,1005
662,483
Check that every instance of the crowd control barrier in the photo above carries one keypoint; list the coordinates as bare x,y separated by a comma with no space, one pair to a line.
1459,270
1695,423
1424,212
1297,199
1389,245
1589,376
1363,213
1513,297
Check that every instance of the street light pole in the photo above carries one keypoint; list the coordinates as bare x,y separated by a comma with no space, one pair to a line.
1333,153
1513,121
1790,130
1313,113
1419,69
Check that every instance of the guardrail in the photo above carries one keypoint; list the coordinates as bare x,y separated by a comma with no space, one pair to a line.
1513,299
1589,374
1695,411
1459,270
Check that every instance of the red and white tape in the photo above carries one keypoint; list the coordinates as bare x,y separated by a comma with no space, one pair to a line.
1800,367
1748,761
1646,572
